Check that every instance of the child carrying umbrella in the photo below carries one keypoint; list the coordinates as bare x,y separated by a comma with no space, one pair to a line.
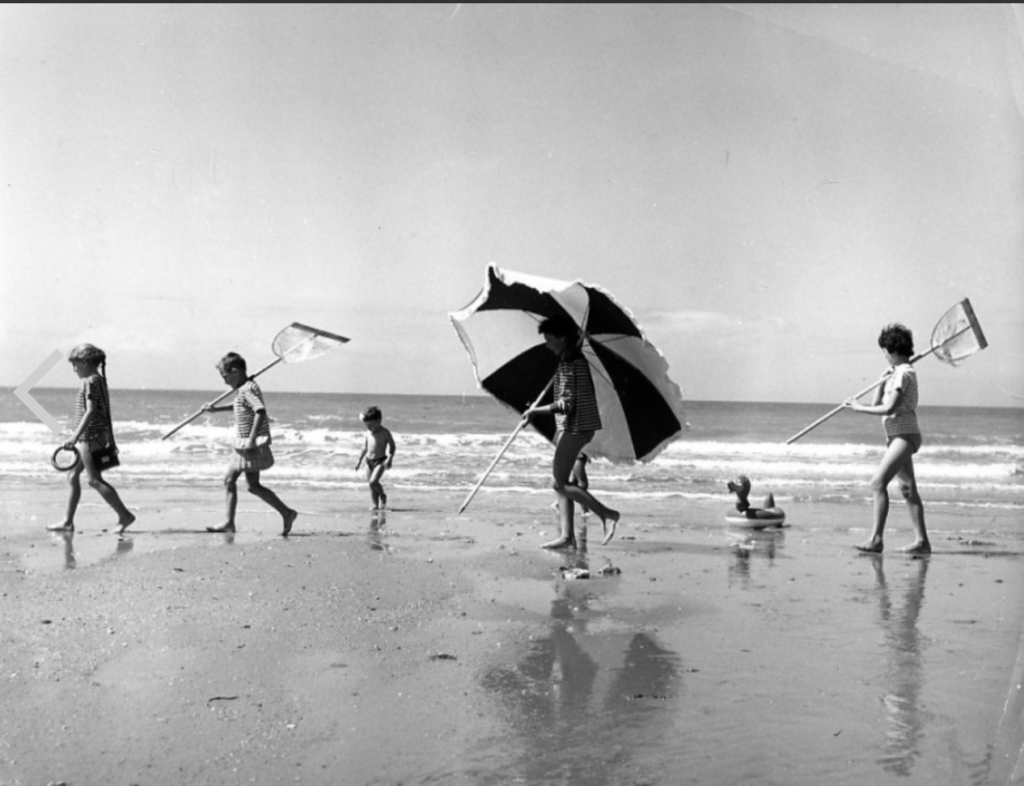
577,419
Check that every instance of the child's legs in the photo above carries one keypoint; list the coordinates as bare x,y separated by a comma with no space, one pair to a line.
108,492
898,453
908,487
231,494
74,494
567,449
252,480
375,485
372,481
579,478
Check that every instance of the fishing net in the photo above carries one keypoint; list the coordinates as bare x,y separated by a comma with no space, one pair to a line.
955,338
957,335
297,343
294,344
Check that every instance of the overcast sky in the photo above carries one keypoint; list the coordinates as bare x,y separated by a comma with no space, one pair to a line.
764,186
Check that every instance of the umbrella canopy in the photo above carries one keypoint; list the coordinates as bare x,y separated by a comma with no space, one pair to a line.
641,408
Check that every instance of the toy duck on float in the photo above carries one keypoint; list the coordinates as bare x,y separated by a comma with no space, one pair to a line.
745,515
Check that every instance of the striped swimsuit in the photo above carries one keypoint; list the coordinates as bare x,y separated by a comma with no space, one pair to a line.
903,420
575,399
248,401
94,389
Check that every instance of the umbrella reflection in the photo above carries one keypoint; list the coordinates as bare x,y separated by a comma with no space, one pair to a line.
590,696
904,673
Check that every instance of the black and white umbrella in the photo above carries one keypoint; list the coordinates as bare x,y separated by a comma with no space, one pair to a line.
641,408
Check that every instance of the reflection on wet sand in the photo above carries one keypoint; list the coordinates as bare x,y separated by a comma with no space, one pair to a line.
593,697
68,536
376,533
748,545
1004,763
124,545
904,673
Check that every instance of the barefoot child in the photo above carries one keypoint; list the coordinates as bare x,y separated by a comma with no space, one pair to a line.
576,421
378,450
94,432
896,401
252,444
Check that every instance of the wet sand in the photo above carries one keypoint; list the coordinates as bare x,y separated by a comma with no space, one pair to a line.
445,649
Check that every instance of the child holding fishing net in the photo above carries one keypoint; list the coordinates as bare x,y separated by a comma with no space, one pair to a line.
252,452
955,337
896,401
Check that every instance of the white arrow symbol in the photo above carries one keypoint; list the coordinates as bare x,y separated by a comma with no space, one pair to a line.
22,392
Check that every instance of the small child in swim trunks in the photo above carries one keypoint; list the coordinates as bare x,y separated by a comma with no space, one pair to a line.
378,450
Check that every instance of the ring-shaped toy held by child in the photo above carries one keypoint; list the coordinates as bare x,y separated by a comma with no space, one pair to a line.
65,459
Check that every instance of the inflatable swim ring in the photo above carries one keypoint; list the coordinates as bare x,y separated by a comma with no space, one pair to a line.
757,518
753,518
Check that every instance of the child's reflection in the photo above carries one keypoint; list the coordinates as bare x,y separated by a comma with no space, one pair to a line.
578,688
68,536
904,674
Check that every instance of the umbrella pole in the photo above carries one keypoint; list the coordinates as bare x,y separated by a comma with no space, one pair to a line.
512,436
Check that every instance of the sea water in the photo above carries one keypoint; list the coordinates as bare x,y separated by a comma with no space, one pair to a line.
972,457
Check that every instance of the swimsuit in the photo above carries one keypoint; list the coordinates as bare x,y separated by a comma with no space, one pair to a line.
97,430
575,402
903,420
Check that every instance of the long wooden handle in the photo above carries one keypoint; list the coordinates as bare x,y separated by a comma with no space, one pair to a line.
512,436
217,400
864,392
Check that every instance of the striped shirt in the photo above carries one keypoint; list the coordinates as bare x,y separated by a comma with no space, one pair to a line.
249,401
575,403
94,389
902,420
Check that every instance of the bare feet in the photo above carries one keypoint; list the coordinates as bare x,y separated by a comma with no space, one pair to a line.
918,547
124,524
62,527
289,519
870,546
609,532
560,543
222,528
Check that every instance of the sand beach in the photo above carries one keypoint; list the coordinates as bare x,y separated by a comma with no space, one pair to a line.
437,648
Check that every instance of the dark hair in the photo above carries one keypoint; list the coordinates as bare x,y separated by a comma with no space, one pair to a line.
897,339
88,353
232,362
561,327
371,413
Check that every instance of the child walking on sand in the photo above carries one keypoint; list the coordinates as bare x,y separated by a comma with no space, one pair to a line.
378,450
896,401
93,432
578,477
577,419
252,444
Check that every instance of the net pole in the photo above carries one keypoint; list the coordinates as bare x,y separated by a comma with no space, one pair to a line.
314,333
871,387
216,401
